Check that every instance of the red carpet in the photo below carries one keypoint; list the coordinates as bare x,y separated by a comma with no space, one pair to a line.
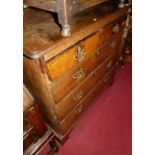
106,127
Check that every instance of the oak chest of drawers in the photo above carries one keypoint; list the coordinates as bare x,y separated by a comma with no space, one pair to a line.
65,74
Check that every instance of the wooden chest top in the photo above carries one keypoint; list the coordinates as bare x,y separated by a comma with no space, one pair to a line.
42,33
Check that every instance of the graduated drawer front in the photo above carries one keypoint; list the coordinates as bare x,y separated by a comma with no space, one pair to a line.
59,65
74,98
69,82
111,31
68,123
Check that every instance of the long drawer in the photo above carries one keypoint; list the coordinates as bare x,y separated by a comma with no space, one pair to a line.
80,72
72,99
68,123
59,65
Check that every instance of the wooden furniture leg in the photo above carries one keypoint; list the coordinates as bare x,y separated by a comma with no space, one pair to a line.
54,147
64,9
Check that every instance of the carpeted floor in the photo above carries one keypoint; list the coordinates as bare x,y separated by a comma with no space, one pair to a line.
106,127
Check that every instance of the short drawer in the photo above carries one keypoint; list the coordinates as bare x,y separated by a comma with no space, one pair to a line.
68,123
80,72
74,98
109,32
59,65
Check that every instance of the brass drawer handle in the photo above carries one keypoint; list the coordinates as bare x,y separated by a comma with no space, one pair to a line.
78,96
79,109
109,65
112,44
80,54
78,74
116,28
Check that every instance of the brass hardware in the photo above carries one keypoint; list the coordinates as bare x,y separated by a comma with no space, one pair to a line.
79,109
112,44
78,74
116,28
78,96
80,54
109,64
